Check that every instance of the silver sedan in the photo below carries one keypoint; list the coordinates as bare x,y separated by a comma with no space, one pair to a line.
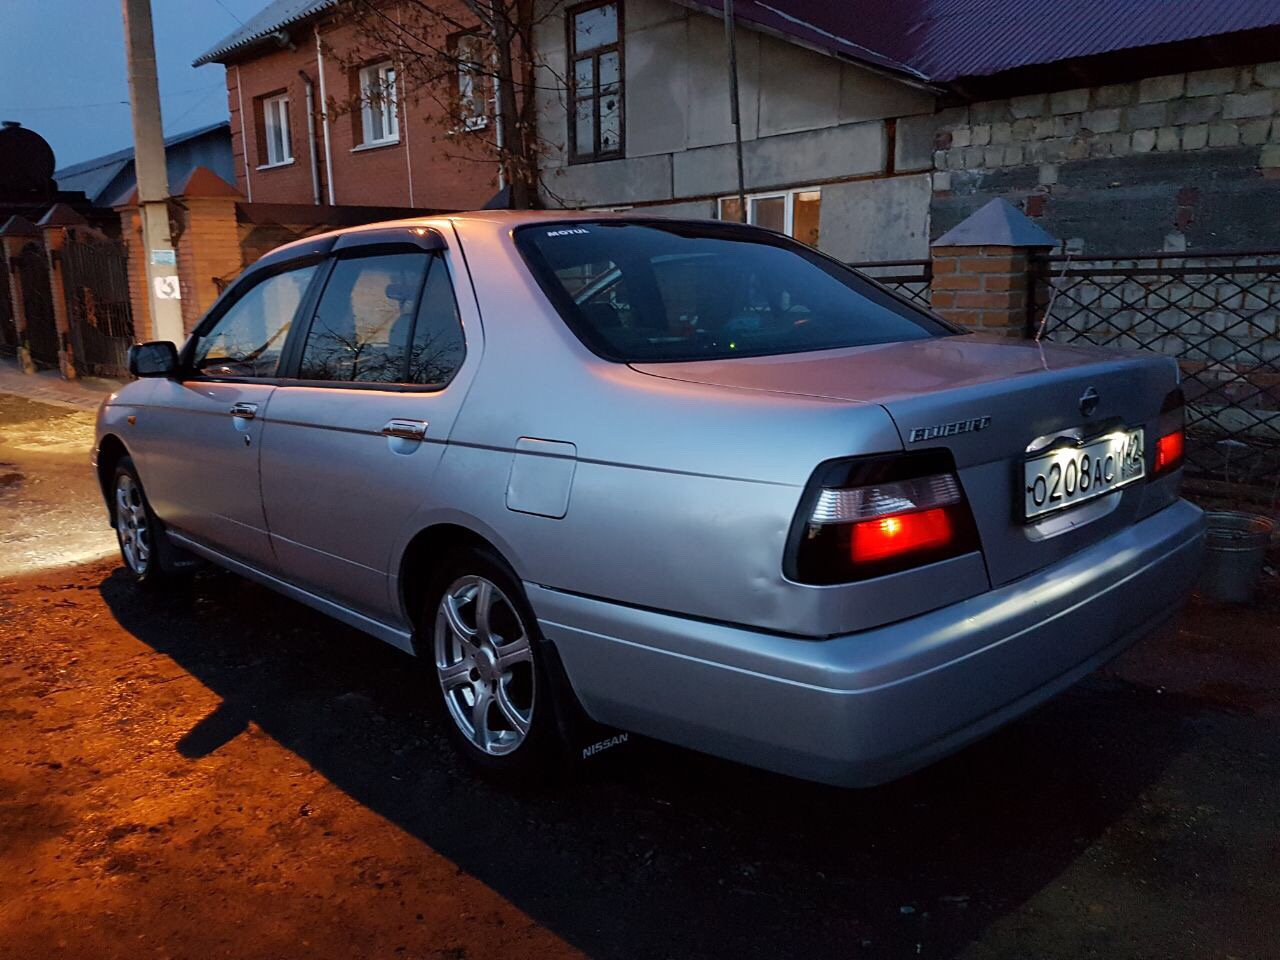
685,479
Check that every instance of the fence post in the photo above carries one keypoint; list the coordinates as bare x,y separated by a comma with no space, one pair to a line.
982,269
55,224
207,242
14,235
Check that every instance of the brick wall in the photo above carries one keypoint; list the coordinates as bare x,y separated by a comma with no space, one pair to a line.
208,248
982,288
431,167
1185,161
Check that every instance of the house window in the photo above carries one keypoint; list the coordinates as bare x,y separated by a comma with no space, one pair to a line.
474,57
595,82
378,118
275,146
793,212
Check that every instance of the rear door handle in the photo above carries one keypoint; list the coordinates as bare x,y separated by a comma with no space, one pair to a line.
405,429
246,411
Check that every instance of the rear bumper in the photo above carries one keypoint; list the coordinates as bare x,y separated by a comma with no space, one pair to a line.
864,708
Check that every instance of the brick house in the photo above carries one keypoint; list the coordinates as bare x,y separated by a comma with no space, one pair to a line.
380,143
868,129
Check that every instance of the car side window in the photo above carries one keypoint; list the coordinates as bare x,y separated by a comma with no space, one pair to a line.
438,345
248,339
363,324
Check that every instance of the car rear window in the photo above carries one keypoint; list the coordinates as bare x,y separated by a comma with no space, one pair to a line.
646,291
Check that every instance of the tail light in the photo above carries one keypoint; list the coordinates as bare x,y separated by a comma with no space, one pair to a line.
879,515
1171,434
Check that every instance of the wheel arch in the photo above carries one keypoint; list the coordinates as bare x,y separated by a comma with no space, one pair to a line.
424,552
111,450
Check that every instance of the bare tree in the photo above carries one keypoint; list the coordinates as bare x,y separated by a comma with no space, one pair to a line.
472,61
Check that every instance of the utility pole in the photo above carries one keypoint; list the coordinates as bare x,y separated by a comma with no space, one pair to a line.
731,39
163,291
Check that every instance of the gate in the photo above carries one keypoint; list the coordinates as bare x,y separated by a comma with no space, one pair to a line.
32,270
8,330
95,279
1218,315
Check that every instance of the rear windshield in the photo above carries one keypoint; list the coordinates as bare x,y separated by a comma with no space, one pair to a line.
658,290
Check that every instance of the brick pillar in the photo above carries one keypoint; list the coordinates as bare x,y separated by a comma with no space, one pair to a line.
982,269
208,245
16,233
55,224
136,266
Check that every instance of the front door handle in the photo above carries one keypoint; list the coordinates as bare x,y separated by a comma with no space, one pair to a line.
246,411
405,429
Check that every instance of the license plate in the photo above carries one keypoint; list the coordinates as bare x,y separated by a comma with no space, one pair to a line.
1067,476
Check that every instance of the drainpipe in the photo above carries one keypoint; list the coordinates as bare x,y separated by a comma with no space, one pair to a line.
311,136
324,117
244,143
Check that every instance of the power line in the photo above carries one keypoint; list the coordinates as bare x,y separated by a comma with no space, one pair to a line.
112,103
230,11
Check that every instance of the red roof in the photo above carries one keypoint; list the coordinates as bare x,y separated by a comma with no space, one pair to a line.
946,40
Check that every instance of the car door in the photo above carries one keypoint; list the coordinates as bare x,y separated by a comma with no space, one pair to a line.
200,433
351,443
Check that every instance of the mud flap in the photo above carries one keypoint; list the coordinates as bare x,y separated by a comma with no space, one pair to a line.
173,559
586,744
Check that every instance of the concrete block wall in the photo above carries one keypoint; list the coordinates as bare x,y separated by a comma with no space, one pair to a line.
1184,161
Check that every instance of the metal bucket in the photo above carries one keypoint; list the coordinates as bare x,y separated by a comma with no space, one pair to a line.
1235,548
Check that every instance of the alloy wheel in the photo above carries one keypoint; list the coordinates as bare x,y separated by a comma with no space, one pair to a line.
484,659
131,524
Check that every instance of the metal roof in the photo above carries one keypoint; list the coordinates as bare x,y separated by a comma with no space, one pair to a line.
95,177
946,40
273,17
937,41
998,224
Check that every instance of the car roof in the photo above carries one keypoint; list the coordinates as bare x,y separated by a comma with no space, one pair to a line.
512,218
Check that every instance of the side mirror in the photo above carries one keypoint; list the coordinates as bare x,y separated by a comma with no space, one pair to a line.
157,358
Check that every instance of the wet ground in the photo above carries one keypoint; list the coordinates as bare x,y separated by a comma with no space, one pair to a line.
218,772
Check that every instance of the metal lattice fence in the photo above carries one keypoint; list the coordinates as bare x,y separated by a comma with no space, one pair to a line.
96,282
910,278
8,329
1219,316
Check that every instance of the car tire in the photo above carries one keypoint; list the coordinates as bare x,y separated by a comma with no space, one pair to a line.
139,532
489,669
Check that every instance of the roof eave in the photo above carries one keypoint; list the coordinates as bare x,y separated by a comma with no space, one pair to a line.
224,52
888,68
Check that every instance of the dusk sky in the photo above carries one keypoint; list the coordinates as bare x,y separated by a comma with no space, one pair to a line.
62,69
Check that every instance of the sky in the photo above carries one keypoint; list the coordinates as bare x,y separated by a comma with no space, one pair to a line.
62,69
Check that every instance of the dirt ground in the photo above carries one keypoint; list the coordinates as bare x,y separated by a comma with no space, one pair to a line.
217,771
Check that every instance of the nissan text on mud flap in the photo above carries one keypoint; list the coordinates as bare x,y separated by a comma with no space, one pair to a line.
685,479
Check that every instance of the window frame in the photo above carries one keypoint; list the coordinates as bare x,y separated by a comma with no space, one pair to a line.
788,194
277,105
232,296
595,154
291,359
487,83
390,111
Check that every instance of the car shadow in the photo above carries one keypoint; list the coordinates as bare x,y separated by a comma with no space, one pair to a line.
659,851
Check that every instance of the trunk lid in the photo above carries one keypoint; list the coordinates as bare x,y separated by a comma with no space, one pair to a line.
1010,394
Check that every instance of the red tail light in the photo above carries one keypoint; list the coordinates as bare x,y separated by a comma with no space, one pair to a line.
1170,428
895,535
1169,450
879,515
